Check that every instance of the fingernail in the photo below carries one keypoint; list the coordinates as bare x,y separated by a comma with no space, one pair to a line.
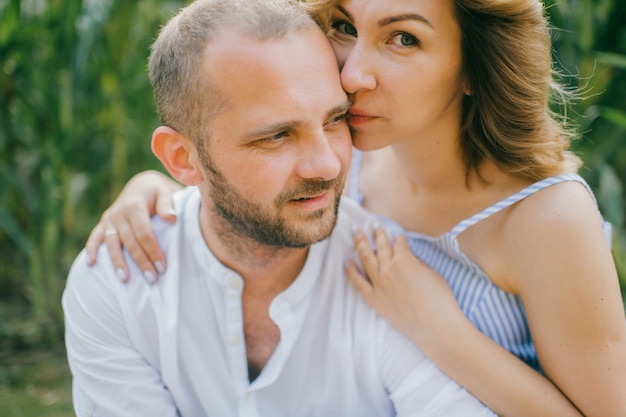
376,225
120,274
159,267
171,212
149,276
355,230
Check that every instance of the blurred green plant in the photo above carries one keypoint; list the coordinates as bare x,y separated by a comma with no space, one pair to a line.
75,117
76,112
590,44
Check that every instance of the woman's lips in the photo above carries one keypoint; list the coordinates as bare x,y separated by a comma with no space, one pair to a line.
358,117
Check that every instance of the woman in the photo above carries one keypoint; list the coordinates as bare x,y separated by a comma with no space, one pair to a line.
501,267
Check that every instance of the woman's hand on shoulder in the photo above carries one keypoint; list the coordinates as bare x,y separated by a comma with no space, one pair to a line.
414,298
127,223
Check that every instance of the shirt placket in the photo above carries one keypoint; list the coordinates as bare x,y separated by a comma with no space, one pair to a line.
235,342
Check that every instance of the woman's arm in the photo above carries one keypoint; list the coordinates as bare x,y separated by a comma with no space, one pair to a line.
127,223
551,251
420,304
572,297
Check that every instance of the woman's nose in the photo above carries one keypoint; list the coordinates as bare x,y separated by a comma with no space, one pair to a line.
356,71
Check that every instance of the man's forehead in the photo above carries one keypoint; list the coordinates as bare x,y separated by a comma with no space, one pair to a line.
266,78
238,49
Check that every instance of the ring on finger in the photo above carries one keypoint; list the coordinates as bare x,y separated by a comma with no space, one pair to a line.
110,232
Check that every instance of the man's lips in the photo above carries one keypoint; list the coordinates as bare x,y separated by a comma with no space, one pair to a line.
314,201
310,197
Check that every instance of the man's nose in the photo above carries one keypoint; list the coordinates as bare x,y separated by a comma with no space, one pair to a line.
318,158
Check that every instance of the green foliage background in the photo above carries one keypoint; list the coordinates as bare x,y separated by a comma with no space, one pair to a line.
76,114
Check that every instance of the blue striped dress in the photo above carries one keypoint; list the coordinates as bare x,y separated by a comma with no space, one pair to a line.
497,313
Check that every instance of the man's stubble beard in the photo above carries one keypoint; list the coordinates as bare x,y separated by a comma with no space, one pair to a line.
238,217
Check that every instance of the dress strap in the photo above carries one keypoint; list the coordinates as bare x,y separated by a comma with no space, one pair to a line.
520,195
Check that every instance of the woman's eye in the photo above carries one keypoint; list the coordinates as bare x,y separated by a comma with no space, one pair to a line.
405,39
344,27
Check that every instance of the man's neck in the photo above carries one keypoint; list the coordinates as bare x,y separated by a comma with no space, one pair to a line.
260,265
266,272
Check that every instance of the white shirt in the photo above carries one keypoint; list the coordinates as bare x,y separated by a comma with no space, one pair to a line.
178,348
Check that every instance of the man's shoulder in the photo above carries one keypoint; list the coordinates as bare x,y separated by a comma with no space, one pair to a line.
352,214
186,205
170,237
185,231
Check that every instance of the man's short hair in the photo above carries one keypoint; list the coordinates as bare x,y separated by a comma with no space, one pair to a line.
186,100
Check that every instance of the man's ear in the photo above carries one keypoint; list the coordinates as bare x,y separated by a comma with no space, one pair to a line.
178,155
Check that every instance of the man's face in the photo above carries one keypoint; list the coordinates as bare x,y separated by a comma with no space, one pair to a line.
278,152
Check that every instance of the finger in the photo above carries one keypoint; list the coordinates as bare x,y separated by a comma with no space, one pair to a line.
96,237
383,246
136,251
112,240
401,245
366,254
360,282
401,248
165,207
143,243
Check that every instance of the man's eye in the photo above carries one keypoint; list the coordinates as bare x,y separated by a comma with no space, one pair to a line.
337,121
276,137
344,27
339,118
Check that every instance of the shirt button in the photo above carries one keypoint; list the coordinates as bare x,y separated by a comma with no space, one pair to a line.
235,340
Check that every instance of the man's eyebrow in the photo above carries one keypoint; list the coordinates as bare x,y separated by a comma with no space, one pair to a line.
342,108
291,125
272,129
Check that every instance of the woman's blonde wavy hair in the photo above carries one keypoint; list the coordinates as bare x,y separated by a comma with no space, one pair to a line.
507,60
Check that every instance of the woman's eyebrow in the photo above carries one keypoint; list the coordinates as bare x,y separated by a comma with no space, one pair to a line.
345,12
392,19
409,16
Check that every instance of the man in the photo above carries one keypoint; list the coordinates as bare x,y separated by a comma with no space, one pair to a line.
253,316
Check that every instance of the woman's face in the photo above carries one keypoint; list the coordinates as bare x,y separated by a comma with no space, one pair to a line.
400,63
